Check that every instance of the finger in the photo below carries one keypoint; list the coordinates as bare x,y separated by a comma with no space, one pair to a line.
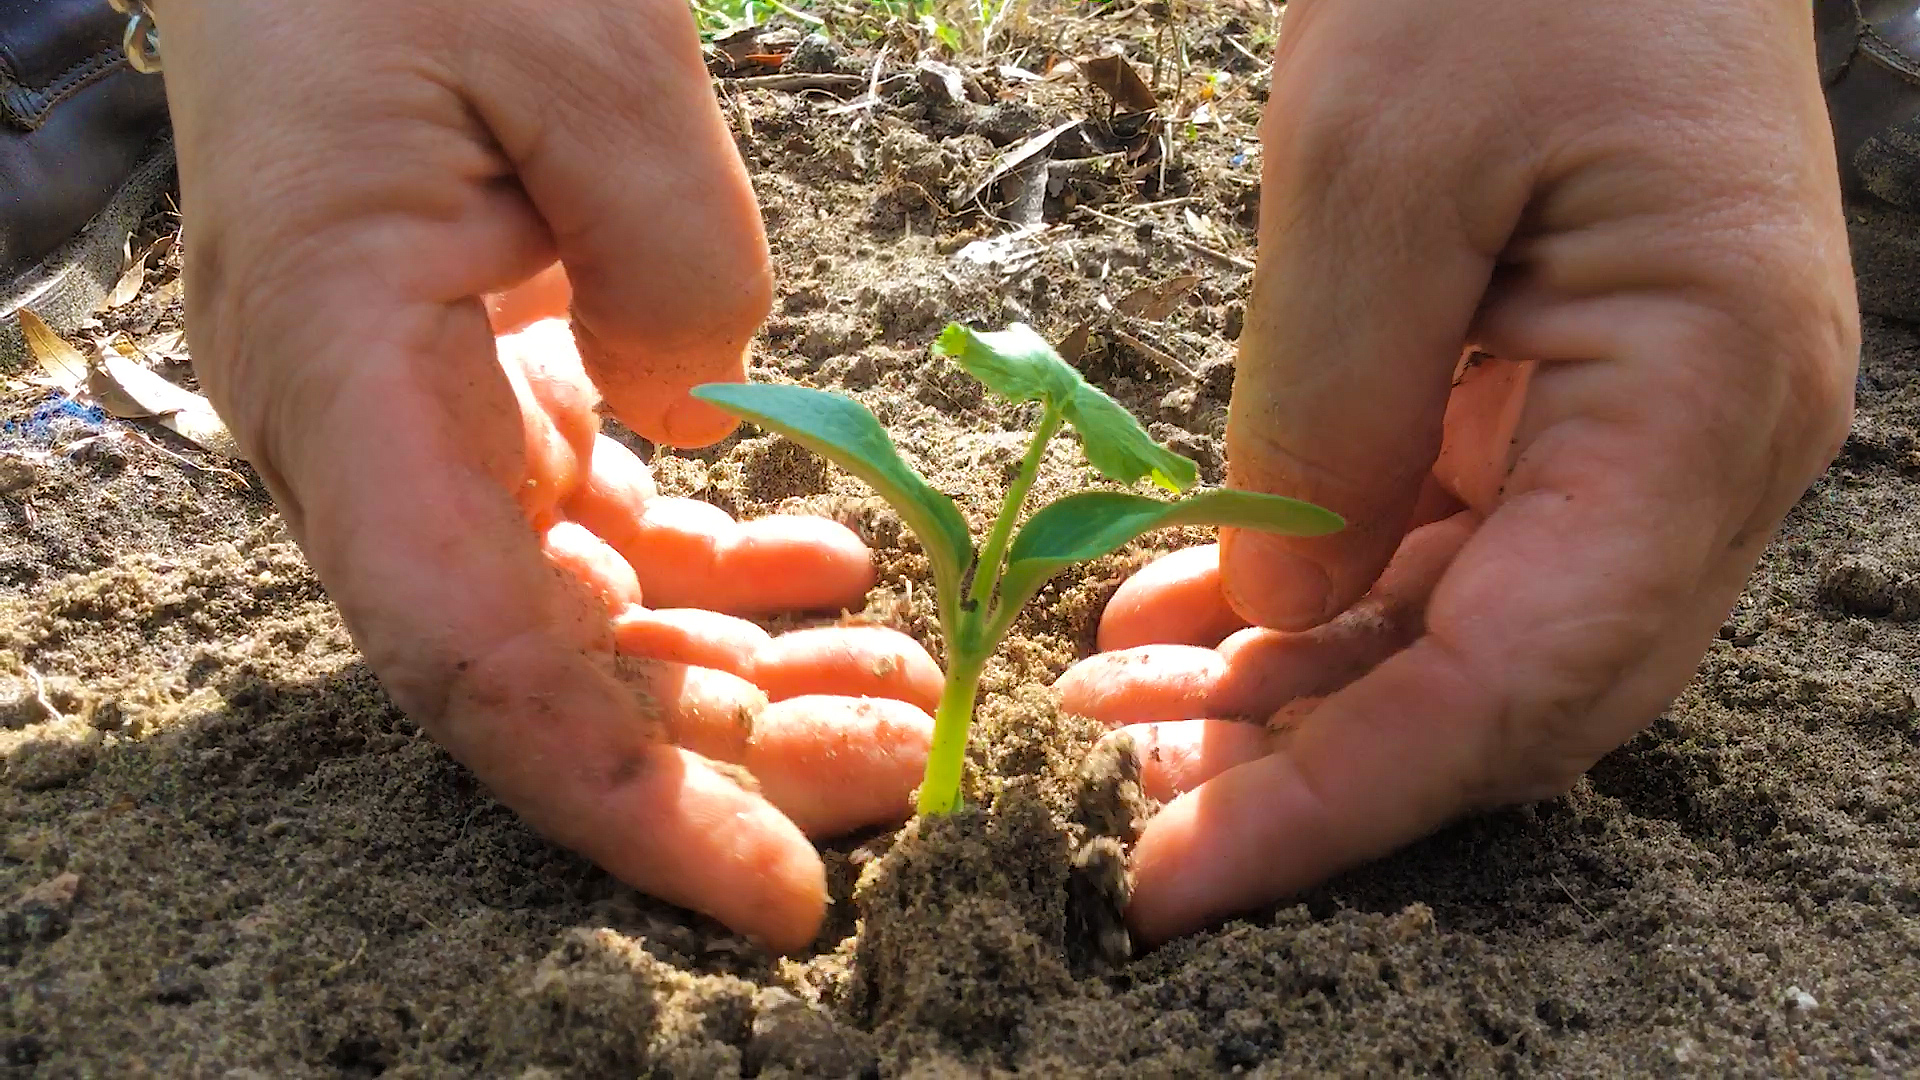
561,740
1362,299
1141,684
855,661
588,560
1256,670
836,764
613,494
690,636
689,553
546,295
851,661
1178,756
829,763
555,403
665,250
791,563
1173,600
1483,417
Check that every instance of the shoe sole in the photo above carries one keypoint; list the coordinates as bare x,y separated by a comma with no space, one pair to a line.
67,287
1886,260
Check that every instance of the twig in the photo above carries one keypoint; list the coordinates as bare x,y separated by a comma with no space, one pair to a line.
799,81
1582,908
40,696
1166,359
1164,203
797,16
1231,260
1241,49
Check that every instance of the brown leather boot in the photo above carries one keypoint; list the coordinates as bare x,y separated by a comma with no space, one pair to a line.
84,150
1870,63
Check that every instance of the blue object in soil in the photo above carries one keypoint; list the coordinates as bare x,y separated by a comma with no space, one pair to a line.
39,424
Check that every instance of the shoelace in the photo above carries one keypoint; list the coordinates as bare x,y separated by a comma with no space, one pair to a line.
142,40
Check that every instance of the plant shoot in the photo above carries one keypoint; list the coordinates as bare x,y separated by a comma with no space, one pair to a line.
982,591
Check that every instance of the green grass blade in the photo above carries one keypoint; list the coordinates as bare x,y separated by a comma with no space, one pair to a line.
841,430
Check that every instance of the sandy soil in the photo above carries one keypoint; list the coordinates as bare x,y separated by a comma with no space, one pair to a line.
226,854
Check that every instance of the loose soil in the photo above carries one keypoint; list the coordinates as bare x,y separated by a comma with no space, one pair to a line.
226,854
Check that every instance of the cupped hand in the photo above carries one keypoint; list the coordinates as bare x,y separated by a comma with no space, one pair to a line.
357,177
1638,201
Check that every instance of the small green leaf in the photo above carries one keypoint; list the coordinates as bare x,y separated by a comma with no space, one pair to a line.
1120,448
1094,523
1018,364
1015,363
841,430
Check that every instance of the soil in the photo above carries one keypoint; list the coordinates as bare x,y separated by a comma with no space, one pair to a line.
227,854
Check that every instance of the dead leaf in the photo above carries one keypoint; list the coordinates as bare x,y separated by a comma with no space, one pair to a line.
130,391
205,429
127,289
1156,302
1074,345
168,346
63,363
1113,76
1010,161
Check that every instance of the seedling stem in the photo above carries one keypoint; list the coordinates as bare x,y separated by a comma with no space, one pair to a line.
1018,557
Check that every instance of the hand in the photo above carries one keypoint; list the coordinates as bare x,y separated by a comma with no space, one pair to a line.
356,177
1639,199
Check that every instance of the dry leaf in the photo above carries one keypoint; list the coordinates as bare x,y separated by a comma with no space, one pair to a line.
168,346
1115,77
127,289
130,391
1074,345
205,429
63,363
1156,302
1011,160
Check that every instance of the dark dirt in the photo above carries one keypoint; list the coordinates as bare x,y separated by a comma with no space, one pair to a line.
226,854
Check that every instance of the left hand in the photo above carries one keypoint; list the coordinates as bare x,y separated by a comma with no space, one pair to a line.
376,195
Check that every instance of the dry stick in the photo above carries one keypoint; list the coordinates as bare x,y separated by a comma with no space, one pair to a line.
1163,204
799,81
1166,359
1231,260
1242,49
40,696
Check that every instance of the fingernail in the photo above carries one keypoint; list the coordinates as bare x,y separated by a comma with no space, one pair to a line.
1271,585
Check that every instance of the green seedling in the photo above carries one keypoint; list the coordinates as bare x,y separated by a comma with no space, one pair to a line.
981,593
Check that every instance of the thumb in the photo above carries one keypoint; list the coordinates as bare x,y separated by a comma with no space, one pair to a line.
628,160
1377,240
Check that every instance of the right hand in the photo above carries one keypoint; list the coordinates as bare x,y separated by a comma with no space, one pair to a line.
1637,199
357,176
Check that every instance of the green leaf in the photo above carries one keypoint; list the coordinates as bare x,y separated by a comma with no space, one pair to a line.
1095,523
1120,448
1016,363
1019,365
841,430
